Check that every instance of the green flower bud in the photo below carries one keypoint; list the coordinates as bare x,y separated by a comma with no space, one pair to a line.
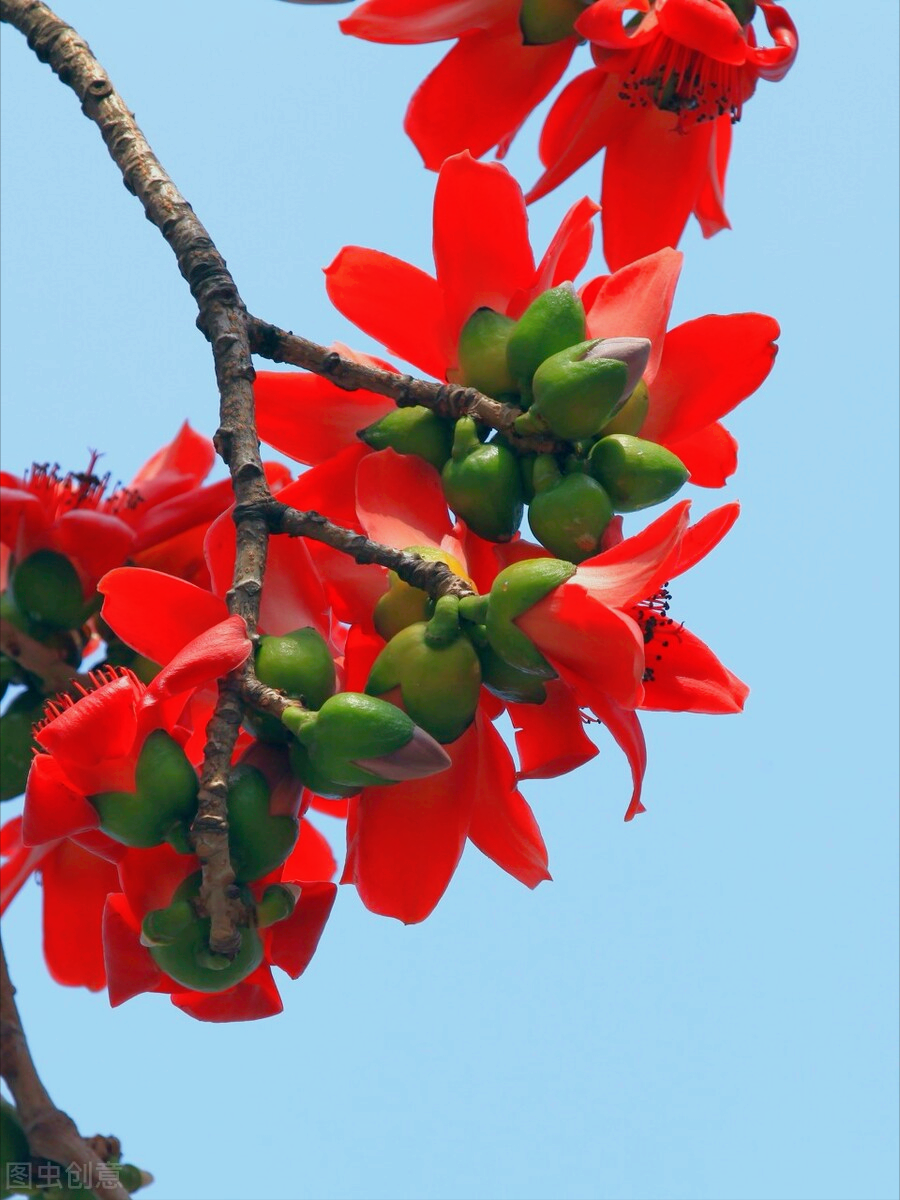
357,740
258,841
315,779
632,415
482,353
578,390
551,323
516,589
16,743
403,604
546,21
569,514
414,430
482,484
187,958
744,10
439,684
635,472
165,794
46,587
299,664
278,902
163,926
508,682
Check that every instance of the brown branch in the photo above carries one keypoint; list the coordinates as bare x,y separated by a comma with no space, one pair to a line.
51,1133
223,320
446,399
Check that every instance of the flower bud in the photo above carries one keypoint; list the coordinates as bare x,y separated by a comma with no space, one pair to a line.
508,682
546,21
258,841
551,323
482,353
414,430
299,664
635,472
579,389
569,514
516,589
482,484
403,604
186,956
439,685
632,415
165,794
278,902
45,587
16,743
356,740
315,779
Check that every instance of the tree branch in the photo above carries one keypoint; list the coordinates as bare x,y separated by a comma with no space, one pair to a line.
51,1133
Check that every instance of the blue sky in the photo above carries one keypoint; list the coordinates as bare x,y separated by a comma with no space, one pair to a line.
703,1003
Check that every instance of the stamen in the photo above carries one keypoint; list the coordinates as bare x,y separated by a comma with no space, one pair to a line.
677,79
79,489
62,701
656,625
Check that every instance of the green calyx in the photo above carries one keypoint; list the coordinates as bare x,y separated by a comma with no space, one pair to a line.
165,795
636,473
258,840
551,323
569,512
16,743
415,430
579,389
402,604
45,587
178,940
313,778
356,740
545,21
508,682
516,589
744,10
439,677
278,902
631,416
482,353
482,484
298,664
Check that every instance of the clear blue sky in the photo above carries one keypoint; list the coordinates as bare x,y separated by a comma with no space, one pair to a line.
703,1004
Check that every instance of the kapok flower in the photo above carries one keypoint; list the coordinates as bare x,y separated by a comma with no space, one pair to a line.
696,373
91,744
485,87
661,100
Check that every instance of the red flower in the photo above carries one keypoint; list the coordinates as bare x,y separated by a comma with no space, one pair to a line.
92,744
696,374
661,100
486,86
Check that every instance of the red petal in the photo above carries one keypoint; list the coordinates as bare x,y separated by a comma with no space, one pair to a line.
636,567
481,247
503,826
149,877
708,367
773,62
75,887
585,117
94,541
602,24
311,859
703,536
708,26
189,456
21,516
625,727
157,614
688,677
406,22
567,253
250,1000
309,419
652,178
400,500
207,658
293,941
481,92
550,737
409,837
130,968
710,455
181,513
710,207
636,301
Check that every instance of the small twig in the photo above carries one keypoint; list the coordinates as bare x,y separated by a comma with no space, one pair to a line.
446,399
51,1133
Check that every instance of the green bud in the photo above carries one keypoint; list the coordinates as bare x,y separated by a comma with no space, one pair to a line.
744,10
299,664
315,779
507,682
278,902
551,323
632,415
546,21
482,484
357,740
482,353
16,743
403,604
258,841
578,390
165,794
635,472
516,589
570,515
162,926
188,959
46,588
439,684
414,430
